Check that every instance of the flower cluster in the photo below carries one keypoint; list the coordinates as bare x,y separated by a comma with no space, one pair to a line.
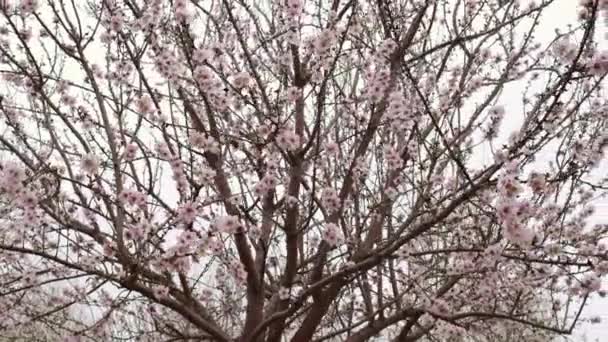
116,21
187,212
331,148
288,140
537,182
201,56
393,158
333,235
148,21
241,80
133,198
177,166
400,112
439,306
377,82
174,259
237,270
11,179
293,94
265,185
179,174
386,48
138,231
361,168
218,95
208,144
182,13
168,64
227,224
508,185
27,200
160,292
205,175
293,8
145,105
130,152
330,200
163,151
565,50
598,64
205,77
512,212
590,283
586,8
497,113
28,6
90,164
512,215
213,245
324,42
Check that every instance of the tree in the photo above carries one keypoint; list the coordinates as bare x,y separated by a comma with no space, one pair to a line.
299,170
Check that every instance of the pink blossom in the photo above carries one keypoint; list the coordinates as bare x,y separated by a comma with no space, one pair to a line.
288,140
187,212
200,55
241,80
266,185
163,151
130,151
90,164
293,93
537,182
28,6
294,8
145,105
331,148
332,235
227,224
330,200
